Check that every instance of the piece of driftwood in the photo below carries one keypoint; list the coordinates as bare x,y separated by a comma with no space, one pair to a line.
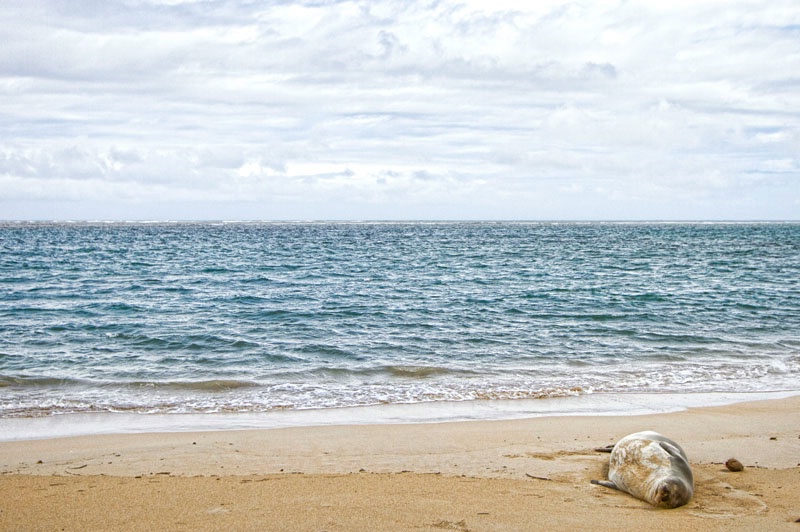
537,478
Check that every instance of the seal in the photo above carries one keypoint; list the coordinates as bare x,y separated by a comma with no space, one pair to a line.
651,467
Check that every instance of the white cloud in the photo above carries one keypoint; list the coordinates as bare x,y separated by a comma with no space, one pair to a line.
425,109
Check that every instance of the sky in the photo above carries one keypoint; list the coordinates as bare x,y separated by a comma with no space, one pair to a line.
399,110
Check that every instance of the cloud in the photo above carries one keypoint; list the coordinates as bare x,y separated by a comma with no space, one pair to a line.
428,109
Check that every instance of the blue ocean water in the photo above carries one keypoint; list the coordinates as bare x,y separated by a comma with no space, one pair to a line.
258,317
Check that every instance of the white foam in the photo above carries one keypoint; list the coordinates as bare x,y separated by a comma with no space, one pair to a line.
12,429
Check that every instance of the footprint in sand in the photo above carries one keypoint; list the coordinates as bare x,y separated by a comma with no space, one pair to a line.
717,499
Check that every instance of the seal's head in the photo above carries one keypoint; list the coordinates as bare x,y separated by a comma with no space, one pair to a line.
672,492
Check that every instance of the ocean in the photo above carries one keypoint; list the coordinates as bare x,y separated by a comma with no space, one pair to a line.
249,319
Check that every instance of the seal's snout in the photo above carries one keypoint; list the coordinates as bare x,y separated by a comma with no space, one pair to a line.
672,493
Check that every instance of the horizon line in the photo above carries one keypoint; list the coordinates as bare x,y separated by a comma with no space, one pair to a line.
397,220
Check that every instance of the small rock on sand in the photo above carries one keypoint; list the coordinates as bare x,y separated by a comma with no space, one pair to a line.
734,465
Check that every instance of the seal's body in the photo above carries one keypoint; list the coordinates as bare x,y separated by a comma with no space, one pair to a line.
651,467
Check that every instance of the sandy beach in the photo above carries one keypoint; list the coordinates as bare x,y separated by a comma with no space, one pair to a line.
530,474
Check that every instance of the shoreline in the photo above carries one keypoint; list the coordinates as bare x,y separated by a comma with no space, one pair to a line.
513,474
520,474
589,404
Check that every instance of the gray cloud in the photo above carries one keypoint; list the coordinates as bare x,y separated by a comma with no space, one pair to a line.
400,109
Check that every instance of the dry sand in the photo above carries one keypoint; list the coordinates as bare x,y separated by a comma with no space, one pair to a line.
490,475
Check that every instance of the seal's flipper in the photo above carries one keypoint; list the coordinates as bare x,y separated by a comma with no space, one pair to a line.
605,483
671,450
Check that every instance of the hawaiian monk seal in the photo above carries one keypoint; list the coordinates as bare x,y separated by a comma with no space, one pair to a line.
651,467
